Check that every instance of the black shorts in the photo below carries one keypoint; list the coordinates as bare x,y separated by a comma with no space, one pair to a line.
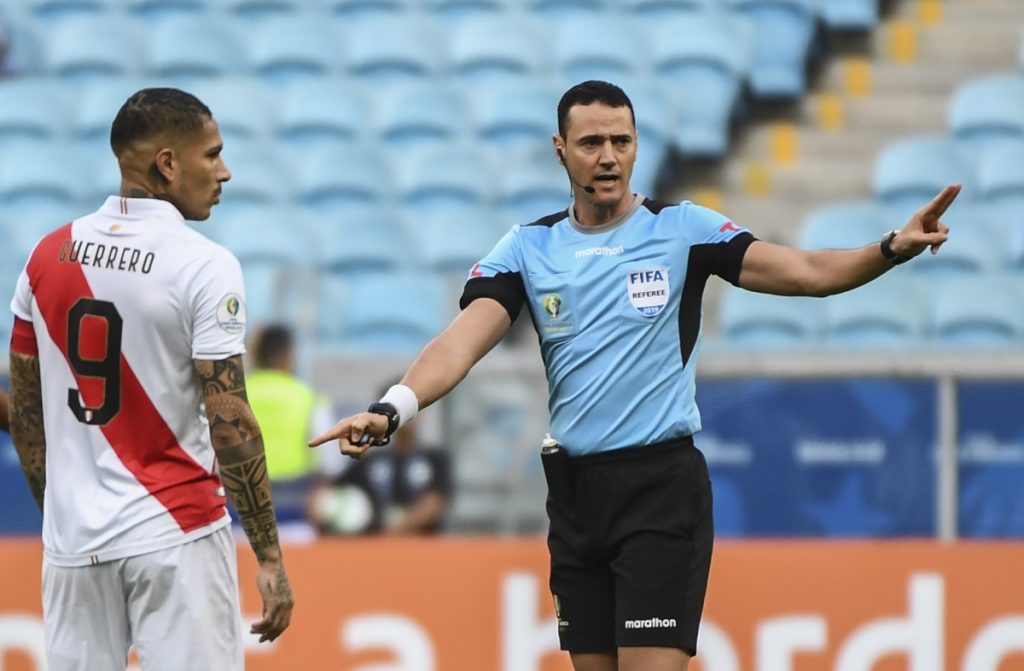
630,540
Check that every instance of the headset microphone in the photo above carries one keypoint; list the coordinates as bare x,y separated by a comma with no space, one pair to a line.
585,187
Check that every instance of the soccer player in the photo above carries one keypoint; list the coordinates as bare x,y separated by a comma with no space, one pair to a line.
613,285
127,324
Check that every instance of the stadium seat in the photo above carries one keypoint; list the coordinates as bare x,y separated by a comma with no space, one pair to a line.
187,47
22,226
909,173
888,313
328,110
359,8
784,32
55,10
381,312
25,47
445,176
86,47
34,109
286,47
451,240
532,188
702,60
243,108
846,226
258,10
386,49
751,320
270,235
486,48
418,114
594,47
37,173
567,10
652,107
458,10
259,174
849,14
975,245
98,104
329,178
364,239
658,9
515,116
1001,177
987,111
152,10
980,311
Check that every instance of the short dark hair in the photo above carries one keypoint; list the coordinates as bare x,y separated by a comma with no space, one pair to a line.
588,92
156,110
273,342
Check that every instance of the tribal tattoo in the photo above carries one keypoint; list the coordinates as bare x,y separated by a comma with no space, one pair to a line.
239,445
27,429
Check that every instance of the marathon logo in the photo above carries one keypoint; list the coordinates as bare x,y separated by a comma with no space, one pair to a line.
648,290
600,251
651,623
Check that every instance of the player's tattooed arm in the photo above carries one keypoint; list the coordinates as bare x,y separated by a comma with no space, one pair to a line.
26,410
5,417
239,444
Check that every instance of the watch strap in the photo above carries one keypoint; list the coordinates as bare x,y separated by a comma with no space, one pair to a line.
886,245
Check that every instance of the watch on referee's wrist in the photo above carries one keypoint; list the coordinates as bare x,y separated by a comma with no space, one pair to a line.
389,411
894,258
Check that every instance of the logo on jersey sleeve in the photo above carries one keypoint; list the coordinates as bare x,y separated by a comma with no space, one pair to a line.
648,290
231,313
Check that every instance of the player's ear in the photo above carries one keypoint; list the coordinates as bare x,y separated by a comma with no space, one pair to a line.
165,166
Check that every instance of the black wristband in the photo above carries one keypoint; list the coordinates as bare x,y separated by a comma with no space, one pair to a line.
894,258
389,411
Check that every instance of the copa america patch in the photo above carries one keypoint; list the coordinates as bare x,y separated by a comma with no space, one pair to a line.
231,313
648,290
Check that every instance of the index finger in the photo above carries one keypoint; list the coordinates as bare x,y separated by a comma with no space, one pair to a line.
941,202
334,433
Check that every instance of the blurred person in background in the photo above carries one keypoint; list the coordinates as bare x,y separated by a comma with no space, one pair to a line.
400,490
289,412
614,286
127,323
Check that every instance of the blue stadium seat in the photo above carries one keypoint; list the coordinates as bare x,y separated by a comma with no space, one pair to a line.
37,173
323,110
567,10
187,47
980,311
846,226
25,47
386,49
908,173
417,114
515,116
497,47
360,8
986,111
364,239
258,10
888,313
85,47
594,47
451,240
658,9
154,10
101,174
243,108
22,226
702,60
652,107
849,14
445,176
784,32
259,174
1001,177
329,178
97,104
55,10
287,47
975,245
458,10
533,187
751,320
269,235
33,108
381,312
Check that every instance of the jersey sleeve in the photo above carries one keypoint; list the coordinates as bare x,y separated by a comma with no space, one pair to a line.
21,303
218,308
498,276
720,244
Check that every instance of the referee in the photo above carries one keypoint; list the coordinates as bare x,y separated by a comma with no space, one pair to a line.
613,285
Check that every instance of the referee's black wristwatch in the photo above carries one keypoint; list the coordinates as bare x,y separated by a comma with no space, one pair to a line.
389,411
894,258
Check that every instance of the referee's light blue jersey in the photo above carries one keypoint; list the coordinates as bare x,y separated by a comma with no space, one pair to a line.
617,308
